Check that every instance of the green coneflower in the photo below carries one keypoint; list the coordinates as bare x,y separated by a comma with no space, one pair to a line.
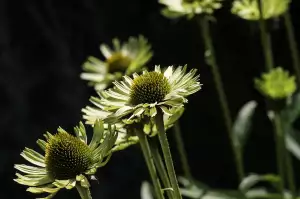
249,10
133,100
68,162
276,84
189,8
123,59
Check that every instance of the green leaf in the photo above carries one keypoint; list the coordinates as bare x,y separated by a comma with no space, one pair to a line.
242,124
292,111
292,141
253,179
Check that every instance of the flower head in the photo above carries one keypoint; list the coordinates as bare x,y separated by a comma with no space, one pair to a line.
249,10
138,99
189,8
68,160
277,84
122,59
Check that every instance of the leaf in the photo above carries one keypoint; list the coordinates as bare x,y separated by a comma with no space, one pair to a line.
292,142
253,179
146,191
242,124
292,111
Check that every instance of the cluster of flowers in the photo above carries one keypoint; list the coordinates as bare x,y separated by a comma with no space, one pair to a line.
126,98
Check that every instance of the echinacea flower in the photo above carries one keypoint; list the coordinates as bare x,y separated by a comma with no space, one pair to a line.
189,8
137,99
276,84
249,10
125,58
68,162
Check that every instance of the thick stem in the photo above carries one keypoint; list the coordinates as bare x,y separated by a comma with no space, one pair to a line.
292,44
290,174
150,164
280,150
167,153
161,169
182,152
265,39
211,60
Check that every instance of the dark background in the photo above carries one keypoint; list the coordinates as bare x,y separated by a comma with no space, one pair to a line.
44,43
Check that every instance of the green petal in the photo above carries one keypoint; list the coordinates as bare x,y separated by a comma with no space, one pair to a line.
61,183
30,169
153,111
165,110
81,132
106,51
33,157
42,144
43,189
49,196
98,133
84,192
32,181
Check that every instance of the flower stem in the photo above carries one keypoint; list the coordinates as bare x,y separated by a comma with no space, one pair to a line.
84,192
280,150
161,168
211,60
167,153
292,44
290,174
182,152
150,164
265,39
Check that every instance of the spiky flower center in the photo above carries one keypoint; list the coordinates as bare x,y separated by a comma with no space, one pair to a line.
118,63
149,88
67,156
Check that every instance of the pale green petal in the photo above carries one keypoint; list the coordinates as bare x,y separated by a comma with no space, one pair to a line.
42,189
106,51
81,132
98,134
49,196
165,110
168,73
30,169
42,144
33,157
32,181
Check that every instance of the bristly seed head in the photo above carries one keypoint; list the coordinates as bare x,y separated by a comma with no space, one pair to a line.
118,63
149,88
67,156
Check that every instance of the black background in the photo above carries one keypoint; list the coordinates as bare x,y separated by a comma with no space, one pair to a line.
44,43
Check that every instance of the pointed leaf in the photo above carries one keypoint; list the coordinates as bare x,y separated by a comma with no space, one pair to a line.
243,123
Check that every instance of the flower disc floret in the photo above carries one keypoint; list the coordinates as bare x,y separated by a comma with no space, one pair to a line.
149,88
67,156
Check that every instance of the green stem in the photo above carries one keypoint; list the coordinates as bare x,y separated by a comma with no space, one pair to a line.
265,39
182,152
167,153
292,44
161,168
84,192
150,164
290,174
280,150
211,60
